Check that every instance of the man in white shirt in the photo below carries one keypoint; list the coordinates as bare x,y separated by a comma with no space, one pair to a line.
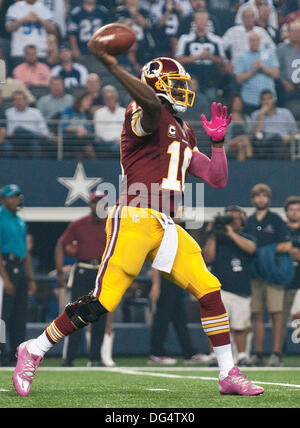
255,4
108,120
25,127
29,22
236,39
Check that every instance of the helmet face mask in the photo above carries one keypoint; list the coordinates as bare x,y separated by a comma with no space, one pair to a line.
170,81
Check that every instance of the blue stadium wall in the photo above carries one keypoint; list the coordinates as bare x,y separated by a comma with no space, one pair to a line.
39,180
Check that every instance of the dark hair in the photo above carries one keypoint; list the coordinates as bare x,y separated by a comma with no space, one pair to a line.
57,78
29,47
266,92
291,200
78,100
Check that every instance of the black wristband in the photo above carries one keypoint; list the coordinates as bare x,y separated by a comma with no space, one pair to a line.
217,142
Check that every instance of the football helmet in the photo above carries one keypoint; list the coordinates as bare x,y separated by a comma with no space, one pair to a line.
169,80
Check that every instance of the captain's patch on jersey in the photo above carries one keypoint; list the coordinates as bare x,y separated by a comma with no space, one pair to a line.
172,131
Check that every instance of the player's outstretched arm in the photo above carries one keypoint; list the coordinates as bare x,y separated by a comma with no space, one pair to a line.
142,94
213,171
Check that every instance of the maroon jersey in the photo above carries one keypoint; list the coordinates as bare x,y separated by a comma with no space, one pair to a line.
154,166
89,235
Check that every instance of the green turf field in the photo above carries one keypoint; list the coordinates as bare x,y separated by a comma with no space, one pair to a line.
133,384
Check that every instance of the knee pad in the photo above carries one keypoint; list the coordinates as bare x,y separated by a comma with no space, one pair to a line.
86,310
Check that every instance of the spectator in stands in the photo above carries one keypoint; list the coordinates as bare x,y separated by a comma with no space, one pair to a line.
263,21
289,55
273,128
4,35
26,127
269,229
52,105
32,72
230,254
59,9
13,85
187,23
202,55
73,73
256,4
237,136
138,18
289,7
256,70
77,129
5,147
293,15
84,21
93,86
166,17
52,50
292,211
236,38
29,22
221,5
108,120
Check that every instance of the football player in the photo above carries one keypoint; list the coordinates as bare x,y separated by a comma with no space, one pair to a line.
157,150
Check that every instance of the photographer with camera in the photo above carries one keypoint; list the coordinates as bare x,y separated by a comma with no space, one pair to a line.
230,252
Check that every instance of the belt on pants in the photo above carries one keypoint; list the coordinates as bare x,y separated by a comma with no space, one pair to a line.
13,258
81,265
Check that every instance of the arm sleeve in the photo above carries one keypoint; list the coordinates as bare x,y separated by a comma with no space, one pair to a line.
68,236
213,171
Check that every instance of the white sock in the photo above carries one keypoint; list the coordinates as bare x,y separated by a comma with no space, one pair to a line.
225,359
242,356
40,345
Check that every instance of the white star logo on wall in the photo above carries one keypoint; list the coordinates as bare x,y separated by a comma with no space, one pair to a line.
79,186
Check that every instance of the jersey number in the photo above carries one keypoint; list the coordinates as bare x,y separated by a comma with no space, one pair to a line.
172,182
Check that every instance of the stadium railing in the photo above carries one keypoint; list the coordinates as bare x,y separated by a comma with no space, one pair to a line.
59,145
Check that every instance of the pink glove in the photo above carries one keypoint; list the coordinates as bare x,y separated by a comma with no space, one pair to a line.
216,128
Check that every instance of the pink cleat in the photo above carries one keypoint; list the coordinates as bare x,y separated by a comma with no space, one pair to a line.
237,383
25,370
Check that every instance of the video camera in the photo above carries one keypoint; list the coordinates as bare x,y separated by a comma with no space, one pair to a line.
220,222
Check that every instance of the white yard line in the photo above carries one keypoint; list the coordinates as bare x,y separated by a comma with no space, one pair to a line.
154,372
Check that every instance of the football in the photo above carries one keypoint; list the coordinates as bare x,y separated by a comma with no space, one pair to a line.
118,38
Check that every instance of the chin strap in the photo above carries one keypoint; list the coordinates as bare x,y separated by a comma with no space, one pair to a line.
179,108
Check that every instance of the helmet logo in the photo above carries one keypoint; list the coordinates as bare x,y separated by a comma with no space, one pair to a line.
153,69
